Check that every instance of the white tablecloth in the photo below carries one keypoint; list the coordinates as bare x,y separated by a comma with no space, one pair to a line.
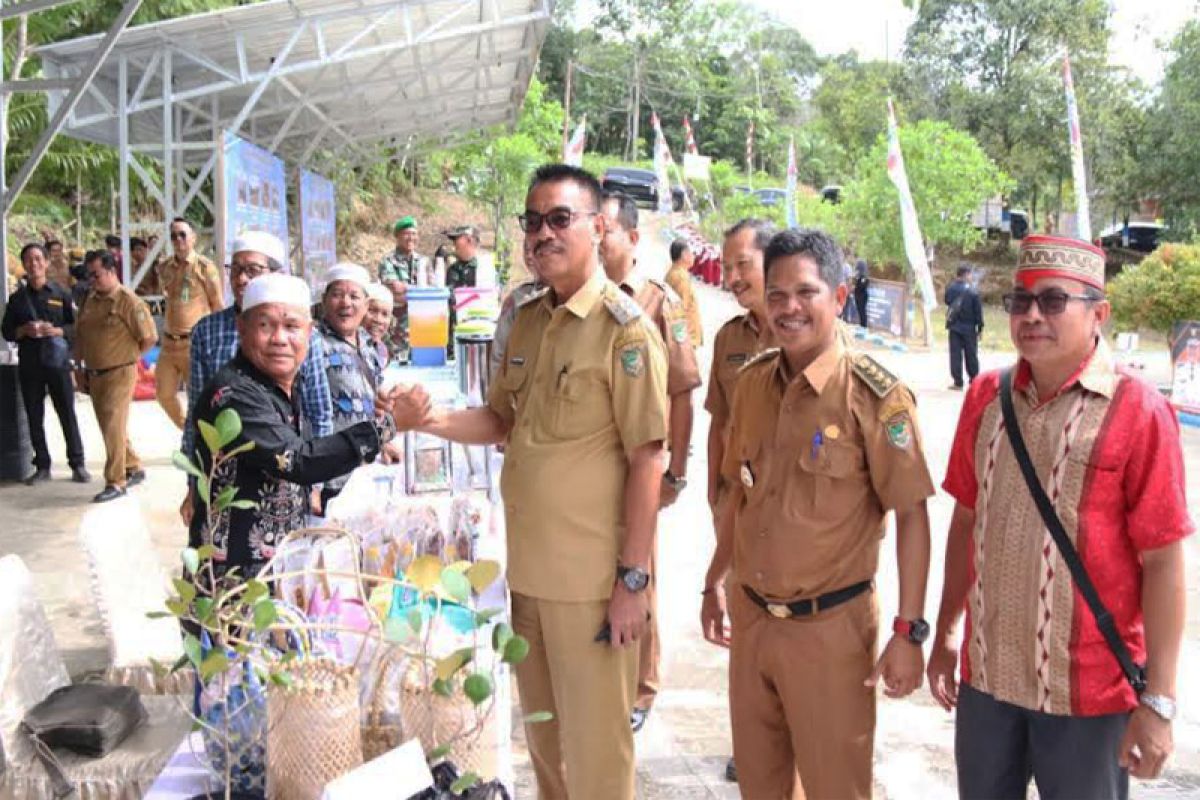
185,775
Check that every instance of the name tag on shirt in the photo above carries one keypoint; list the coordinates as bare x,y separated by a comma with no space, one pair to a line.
54,301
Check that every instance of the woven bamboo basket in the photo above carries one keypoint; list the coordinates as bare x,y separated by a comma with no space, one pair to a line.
382,729
436,720
313,733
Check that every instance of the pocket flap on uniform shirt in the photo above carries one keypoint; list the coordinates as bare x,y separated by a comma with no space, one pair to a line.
833,460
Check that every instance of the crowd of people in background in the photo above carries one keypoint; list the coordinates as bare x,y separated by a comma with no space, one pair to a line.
812,444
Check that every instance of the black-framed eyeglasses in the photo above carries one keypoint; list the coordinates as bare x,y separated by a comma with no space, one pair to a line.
1049,302
250,270
558,219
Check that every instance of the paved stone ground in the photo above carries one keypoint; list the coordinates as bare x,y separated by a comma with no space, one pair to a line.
682,750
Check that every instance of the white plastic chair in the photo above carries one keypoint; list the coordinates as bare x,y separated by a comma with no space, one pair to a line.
128,582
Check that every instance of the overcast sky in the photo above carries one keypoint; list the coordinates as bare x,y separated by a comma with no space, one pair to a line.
875,28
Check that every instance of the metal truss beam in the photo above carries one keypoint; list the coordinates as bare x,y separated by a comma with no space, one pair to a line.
36,85
29,7
83,82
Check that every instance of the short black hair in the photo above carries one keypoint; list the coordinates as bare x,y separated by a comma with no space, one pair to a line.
103,256
112,241
817,245
137,242
51,242
627,210
31,247
181,220
963,270
763,231
678,248
555,173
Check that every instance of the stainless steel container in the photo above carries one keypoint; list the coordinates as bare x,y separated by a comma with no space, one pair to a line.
473,353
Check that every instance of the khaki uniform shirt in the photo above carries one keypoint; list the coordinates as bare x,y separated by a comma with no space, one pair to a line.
193,290
677,278
583,385
813,464
110,327
665,312
737,342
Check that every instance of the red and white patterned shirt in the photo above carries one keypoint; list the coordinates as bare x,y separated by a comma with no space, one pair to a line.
1107,449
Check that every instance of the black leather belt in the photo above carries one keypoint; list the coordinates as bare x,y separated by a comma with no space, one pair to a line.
178,337
808,606
93,373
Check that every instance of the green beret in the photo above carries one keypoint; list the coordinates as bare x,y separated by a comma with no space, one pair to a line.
404,223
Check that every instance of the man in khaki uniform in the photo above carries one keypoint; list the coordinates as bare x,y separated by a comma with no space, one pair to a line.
192,287
678,277
112,331
822,444
581,403
618,250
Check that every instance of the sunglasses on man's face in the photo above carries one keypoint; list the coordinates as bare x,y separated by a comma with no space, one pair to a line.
558,219
1050,302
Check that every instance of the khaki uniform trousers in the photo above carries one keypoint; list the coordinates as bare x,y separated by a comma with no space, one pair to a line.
803,723
170,374
112,395
586,751
650,645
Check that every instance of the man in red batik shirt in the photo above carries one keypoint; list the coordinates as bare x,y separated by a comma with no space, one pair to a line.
1042,695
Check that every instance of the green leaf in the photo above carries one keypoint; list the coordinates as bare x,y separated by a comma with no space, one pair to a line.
245,505
226,497
516,651
229,426
255,591
483,574
191,561
205,552
416,620
212,439
446,667
159,615
185,590
456,585
465,782
438,753
501,634
265,614
442,688
204,609
477,687
244,447
396,630
215,663
484,616
191,648
538,716
184,463
177,607
281,679
202,488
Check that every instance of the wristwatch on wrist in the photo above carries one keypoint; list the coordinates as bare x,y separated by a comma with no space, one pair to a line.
635,579
914,630
1160,704
385,428
678,484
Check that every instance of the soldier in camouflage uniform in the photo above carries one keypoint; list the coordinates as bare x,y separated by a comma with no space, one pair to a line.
399,270
462,271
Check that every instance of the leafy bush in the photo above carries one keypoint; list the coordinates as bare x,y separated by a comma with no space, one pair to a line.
1162,289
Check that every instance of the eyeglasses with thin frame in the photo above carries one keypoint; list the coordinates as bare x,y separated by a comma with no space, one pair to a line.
1050,302
558,219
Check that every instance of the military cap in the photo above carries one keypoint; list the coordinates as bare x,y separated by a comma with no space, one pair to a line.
404,223
463,230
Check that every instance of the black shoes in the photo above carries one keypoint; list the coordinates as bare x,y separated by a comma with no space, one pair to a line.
637,718
110,493
39,475
80,475
135,477
731,771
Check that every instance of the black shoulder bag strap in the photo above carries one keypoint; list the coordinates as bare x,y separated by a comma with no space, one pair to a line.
1134,672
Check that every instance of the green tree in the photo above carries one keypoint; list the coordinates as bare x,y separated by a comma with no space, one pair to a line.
1173,152
949,174
1163,289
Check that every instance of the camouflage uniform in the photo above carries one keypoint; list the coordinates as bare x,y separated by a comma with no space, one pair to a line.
398,267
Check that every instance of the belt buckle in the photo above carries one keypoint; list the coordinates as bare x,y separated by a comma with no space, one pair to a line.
779,610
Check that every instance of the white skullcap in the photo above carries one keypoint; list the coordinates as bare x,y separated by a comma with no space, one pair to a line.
276,288
345,271
379,293
260,242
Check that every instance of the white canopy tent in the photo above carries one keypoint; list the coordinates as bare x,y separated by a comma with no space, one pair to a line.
298,77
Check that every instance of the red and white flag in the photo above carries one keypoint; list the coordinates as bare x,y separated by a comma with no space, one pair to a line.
689,145
1083,220
750,149
573,154
914,246
662,164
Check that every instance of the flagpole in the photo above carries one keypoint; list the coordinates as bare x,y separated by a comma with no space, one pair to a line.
567,108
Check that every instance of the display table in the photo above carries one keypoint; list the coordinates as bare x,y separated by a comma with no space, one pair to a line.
186,774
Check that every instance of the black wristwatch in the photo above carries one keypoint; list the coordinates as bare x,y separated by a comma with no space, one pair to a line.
915,630
635,579
678,484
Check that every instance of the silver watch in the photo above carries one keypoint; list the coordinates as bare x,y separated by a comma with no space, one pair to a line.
1160,704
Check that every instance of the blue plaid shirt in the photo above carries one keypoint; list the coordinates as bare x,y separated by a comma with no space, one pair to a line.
215,341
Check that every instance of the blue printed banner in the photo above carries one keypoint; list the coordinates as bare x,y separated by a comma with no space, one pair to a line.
254,185
318,227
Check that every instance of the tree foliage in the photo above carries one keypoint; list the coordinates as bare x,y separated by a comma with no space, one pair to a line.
1161,290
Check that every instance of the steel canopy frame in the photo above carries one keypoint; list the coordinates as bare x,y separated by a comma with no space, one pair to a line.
298,77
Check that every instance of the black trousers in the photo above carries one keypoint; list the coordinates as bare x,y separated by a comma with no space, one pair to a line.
860,300
963,346
999,747
36,382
